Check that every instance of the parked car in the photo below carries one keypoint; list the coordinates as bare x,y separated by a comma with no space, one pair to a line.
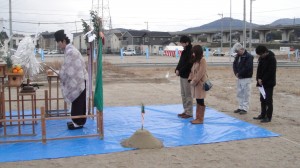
46,51
129,52
54,52
232,54
218,53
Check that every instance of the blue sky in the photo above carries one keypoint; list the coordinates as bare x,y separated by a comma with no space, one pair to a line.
159,15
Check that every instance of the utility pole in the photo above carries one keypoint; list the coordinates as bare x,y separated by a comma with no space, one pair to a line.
250,33
221,14
149,40
102,10
147,25
244,32
10,26
230,52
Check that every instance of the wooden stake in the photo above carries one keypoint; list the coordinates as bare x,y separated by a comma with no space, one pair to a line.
43,121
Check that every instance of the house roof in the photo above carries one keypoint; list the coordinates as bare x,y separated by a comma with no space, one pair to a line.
119,35
47,34
3,34
159,34
140,33
137,33
18,35
77,34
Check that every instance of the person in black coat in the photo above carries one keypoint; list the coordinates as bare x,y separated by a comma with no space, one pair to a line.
183,70
266,78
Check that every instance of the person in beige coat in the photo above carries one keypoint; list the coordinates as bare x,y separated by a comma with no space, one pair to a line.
196,78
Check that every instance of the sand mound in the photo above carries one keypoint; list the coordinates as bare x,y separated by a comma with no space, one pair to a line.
142,139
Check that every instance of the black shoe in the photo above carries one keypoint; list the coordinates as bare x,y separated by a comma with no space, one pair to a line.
71,126
265,120
237,110
243,112
259,117
181,114
186,116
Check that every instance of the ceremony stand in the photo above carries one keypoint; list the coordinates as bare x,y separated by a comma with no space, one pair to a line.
15,97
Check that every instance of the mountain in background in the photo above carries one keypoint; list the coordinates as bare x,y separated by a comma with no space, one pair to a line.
217,25
237,24
285,21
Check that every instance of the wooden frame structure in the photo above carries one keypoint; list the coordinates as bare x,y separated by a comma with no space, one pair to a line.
35,118
43,120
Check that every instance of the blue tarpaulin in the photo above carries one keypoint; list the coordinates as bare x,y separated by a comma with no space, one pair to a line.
119,124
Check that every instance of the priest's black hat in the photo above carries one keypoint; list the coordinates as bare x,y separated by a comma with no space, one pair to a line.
59,35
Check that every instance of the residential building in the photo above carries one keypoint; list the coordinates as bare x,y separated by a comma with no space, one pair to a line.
112,43
16,38
3,42
143,40
47,41
80,42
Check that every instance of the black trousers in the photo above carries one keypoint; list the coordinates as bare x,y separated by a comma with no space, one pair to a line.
79,108
267,104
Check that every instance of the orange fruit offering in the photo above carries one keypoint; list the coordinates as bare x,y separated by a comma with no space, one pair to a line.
18,68
20,71
15,71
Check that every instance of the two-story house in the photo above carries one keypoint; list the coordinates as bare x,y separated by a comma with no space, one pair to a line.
142,40
112,43
47,41
3,43
79,42
139,40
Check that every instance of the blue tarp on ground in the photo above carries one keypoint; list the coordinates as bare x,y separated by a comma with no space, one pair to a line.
120,123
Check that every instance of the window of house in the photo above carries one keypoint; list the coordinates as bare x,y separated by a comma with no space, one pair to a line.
146,39
153,38
161,39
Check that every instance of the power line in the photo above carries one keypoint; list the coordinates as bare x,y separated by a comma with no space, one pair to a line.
72,22
46,14
277,10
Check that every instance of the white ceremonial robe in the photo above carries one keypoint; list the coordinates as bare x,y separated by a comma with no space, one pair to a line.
73,74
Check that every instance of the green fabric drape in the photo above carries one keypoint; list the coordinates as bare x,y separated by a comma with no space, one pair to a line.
98,97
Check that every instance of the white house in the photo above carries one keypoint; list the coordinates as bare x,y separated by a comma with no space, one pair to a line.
79,42
112,43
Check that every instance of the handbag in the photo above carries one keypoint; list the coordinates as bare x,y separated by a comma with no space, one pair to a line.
207,85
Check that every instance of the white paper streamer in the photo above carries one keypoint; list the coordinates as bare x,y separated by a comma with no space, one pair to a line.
25,57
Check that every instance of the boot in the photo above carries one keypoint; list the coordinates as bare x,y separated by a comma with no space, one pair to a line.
199,115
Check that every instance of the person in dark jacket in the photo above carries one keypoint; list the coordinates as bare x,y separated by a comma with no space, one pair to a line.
183,70
243,70
266,78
